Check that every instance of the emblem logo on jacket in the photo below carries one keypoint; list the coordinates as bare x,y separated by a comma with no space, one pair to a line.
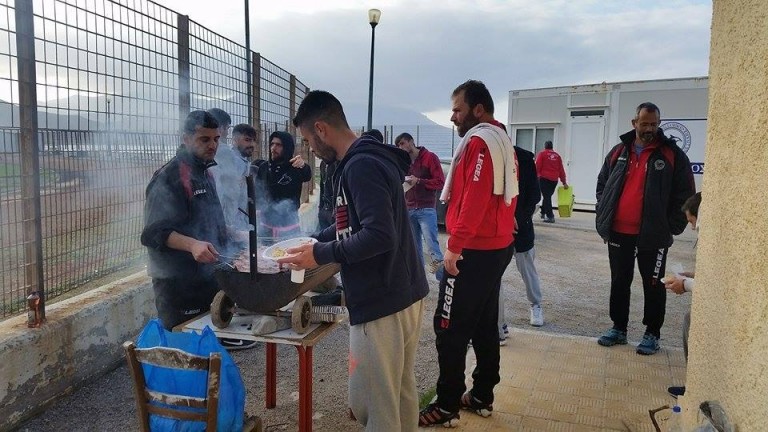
659,165
199,192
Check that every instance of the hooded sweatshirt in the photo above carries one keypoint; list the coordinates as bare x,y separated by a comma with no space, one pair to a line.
372,238
280,185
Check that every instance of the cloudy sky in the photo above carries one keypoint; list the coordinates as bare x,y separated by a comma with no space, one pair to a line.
425,48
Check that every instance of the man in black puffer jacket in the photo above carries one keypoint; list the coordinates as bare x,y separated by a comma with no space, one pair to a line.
643,184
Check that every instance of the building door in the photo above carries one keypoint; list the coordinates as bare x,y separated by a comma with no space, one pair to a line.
586,157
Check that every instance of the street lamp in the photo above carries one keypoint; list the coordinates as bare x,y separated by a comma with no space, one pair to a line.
373,18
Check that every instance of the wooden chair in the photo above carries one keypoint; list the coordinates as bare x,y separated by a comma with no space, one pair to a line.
177,406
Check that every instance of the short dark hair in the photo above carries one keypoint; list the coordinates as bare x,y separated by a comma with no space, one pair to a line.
244,129
405,135
197,119
319,105
548,145
221,116
374,133
648,106
475,93
691,205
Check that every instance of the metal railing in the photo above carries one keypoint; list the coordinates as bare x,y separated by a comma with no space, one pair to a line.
438,139
92,93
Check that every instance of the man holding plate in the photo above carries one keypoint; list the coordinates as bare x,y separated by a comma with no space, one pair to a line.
384,283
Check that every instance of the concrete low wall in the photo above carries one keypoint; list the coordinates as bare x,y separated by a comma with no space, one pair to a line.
80,341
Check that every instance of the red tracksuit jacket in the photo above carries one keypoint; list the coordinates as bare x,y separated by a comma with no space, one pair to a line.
477,219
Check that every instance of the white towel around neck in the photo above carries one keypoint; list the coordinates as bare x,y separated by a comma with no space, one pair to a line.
502,156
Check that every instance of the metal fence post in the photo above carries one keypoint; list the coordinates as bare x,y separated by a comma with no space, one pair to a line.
417,134
256,101
453,138
183,56
292,106
30,157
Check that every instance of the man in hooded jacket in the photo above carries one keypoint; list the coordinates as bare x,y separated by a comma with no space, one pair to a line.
384,283
280,179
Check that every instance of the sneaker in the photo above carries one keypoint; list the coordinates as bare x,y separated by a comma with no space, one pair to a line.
649,345
471,403
505,329
434,415
549,220
537,316
613,337
676,391
236,344
502,341
433,266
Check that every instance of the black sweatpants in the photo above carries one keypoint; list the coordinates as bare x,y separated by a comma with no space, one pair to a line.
622,252
547,189
179,300
468,308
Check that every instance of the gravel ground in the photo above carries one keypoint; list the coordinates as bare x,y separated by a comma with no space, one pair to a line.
573,266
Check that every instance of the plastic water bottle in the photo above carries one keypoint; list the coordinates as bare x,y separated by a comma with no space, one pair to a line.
676,421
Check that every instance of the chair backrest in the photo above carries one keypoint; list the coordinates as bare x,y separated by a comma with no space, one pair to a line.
171,405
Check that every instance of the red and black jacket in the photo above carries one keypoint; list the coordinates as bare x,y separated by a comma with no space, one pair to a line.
667,184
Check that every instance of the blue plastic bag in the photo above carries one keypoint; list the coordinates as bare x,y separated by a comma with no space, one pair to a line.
193,383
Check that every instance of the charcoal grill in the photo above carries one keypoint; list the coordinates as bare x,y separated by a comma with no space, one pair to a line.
263,293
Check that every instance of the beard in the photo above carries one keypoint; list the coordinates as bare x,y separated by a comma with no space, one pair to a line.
469,122
322,150
647,137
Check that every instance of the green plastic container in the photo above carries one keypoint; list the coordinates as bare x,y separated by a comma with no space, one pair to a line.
565,201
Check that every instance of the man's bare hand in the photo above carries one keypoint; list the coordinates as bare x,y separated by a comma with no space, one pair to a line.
450,260
565,185
203,252
300,257
297,161
676,285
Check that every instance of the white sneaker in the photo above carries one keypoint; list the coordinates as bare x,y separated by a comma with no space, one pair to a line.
537,316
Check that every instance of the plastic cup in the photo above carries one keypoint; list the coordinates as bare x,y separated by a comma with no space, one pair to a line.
297,276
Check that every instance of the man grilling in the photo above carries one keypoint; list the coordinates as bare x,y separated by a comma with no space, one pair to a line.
184,228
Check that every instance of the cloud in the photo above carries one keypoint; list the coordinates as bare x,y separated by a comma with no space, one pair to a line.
425,49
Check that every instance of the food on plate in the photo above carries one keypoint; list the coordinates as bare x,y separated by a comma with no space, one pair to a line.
278,253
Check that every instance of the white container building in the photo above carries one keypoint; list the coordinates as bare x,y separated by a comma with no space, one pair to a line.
584,122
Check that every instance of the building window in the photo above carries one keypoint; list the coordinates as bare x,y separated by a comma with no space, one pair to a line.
532,139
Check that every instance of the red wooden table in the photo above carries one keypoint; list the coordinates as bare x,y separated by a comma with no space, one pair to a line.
304,344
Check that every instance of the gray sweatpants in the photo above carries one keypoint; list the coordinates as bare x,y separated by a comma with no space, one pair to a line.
382,383
527,268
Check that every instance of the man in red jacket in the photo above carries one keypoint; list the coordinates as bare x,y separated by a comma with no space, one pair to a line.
481,191
425,178
549,168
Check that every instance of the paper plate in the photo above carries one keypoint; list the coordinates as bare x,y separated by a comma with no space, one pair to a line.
407,186
274,252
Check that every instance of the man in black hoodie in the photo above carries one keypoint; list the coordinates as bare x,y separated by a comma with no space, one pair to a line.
525,253
280,180
384,283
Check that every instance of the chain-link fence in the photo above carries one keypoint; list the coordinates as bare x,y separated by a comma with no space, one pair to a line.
92,93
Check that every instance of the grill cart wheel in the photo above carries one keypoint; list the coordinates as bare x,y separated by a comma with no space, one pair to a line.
222,310
301,314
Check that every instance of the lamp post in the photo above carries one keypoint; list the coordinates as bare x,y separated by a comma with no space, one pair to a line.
373,18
